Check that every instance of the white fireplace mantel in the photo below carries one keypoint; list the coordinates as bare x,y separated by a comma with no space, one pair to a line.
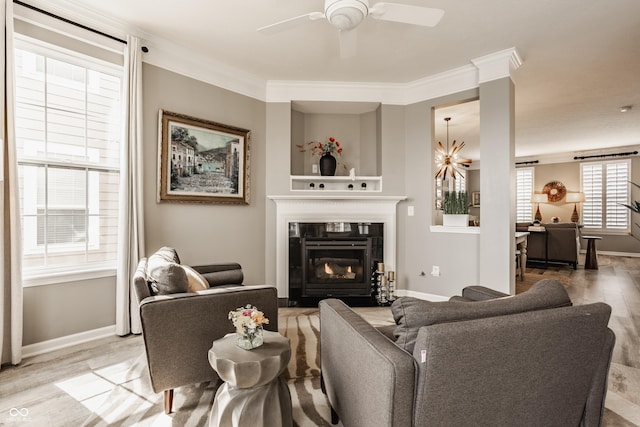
331,208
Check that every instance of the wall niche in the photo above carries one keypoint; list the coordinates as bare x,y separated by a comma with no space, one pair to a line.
354,124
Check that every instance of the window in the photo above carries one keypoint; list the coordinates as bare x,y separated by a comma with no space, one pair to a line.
524,191
458,184
606,186
68,131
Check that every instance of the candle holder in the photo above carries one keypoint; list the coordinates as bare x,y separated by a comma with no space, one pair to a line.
378,281
391,287
384,285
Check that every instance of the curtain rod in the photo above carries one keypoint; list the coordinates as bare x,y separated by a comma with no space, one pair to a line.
68,21
628,153
531,162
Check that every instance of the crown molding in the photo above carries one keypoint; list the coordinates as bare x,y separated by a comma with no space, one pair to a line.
290,90
166,54
452,81
494,66
437,85
170,56
497,65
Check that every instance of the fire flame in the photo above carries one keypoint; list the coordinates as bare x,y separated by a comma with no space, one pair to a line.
327,269
330,272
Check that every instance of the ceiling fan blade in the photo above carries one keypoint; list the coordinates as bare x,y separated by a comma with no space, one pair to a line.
416,15
290,23
348,43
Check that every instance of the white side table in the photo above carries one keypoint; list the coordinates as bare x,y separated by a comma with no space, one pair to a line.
254,394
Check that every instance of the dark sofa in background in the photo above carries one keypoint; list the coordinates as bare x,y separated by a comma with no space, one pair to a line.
560,241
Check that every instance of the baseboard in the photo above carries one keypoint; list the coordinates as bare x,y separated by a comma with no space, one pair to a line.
612,253
420,295
67,341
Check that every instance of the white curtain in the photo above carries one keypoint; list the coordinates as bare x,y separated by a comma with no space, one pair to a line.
11,249
131,226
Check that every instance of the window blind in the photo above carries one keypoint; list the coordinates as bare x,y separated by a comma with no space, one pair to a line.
68,131
524,190
606,187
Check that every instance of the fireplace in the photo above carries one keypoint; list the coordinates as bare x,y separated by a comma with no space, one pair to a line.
333,260
333,267
292,210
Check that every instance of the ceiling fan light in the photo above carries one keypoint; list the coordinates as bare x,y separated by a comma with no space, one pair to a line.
346,14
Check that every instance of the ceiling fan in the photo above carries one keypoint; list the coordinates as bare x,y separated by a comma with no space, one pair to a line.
346,15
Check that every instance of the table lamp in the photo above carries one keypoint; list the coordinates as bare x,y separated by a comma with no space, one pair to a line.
575,198
539,198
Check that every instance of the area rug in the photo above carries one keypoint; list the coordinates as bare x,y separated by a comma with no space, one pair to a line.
133,403
563,274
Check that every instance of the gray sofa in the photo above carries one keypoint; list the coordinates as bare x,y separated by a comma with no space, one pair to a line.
179,327
530,359
560,243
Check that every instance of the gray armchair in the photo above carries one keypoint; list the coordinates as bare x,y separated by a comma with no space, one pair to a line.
179,328
522,360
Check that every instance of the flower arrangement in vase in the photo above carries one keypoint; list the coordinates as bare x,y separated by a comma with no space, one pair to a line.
325,151
248,321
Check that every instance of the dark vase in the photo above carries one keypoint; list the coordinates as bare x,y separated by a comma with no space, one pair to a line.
327,165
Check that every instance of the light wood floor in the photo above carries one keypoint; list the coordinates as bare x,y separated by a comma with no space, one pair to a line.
60,388
617,283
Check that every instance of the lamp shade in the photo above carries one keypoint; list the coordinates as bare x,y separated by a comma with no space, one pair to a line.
575,197
539,198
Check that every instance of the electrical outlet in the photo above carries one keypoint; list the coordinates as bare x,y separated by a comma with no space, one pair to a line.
435,271
314,168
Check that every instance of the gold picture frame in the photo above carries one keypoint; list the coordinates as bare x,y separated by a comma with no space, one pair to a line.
475,198
201,161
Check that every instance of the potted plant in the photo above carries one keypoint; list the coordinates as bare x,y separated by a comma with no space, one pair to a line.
635,205
455,206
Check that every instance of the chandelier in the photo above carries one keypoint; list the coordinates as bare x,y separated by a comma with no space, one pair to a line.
449,162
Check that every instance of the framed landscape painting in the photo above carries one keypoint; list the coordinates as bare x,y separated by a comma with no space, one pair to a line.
201,161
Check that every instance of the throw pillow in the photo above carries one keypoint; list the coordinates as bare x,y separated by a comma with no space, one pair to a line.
410,314
196,281
164,274
168,254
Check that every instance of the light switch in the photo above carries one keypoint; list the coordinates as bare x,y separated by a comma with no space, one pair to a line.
411,211
314,168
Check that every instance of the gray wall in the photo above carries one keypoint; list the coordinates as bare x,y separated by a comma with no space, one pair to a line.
419,249
54,311
205,233
355,132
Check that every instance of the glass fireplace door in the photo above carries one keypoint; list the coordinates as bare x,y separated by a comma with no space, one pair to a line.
336,267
